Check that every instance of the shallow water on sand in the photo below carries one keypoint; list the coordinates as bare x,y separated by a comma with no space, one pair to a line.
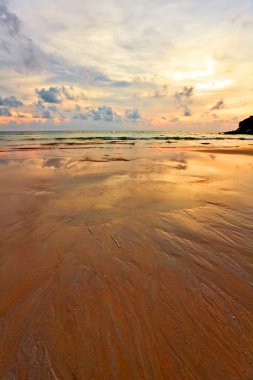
126,260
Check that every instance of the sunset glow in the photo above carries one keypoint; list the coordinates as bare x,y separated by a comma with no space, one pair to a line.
118,65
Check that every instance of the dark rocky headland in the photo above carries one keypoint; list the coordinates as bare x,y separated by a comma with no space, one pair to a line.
245,127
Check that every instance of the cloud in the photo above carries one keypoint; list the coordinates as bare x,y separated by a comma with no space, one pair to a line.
182,99
100,113
21,53
218,106
9,21
4,111
39,105
11,101
92,75
17,50
80,116
57,94
162,93
174,119
121,56
41,111
95,115
46,114
67,93
95,77
187,111
53,108
141,40
50,95
71,94
121,83
104,113
132,114
185,93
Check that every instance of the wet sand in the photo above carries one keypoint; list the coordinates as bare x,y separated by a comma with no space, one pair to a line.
123,261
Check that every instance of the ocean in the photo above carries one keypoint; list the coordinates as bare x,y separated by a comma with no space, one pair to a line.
38,139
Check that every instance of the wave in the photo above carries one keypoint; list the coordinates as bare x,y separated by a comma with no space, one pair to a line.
93,136
149,138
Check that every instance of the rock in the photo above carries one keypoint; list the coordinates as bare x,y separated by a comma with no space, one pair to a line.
245,127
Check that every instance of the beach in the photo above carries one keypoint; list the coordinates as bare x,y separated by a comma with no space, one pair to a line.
126,258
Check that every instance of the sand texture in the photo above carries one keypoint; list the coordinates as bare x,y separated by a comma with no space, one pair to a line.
122,261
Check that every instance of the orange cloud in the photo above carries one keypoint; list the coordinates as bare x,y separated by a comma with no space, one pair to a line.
20,120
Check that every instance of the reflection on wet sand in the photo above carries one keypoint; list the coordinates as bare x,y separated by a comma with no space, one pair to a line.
126,263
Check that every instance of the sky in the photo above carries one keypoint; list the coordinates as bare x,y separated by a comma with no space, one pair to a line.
179,65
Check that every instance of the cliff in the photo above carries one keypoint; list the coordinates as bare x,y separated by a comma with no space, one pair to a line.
245,127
